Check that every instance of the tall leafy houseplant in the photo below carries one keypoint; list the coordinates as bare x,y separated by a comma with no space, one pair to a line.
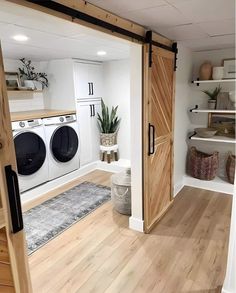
108,123
212,97
28,73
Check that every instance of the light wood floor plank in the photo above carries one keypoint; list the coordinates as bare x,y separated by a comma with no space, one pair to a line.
186,252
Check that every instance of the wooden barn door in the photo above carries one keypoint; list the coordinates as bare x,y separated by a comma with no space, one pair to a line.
14,272
158,133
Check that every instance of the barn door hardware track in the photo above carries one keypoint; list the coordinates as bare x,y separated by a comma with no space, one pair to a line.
73,13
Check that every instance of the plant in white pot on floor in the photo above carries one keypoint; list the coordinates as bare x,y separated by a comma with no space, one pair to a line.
108,123
212,97
32,79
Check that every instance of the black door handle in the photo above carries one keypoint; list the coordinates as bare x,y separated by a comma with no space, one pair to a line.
91,110
92,87
89,84
14,199
151,146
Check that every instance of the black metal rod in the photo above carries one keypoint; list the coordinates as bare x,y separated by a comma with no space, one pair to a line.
95,21
195,108
192,135
14,199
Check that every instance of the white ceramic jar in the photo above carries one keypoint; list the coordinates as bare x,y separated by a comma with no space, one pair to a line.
218,72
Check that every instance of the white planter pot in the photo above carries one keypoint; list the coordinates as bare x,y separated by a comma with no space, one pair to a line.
38,85
211,104
29,84
218,72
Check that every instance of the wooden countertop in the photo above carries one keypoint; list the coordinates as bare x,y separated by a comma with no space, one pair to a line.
34,114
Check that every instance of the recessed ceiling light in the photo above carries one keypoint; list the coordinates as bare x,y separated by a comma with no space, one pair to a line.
101,53
20,38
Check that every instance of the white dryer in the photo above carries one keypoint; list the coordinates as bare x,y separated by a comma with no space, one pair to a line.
62,141
31,156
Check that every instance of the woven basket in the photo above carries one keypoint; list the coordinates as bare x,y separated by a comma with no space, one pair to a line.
230,168
108,139
201,165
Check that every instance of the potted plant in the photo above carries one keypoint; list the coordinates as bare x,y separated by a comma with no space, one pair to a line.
32,79
108,123
212,97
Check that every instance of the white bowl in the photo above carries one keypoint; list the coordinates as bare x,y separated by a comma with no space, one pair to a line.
205,132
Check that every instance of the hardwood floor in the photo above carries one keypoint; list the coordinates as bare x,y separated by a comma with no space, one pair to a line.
186,252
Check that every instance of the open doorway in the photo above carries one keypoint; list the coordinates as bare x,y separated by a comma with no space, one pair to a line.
54,123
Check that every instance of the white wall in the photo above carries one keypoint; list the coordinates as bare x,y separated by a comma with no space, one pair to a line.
117,92
60,93
23,101
136,220
182,122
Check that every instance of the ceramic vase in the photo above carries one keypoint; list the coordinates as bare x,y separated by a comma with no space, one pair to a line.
205,71
218,73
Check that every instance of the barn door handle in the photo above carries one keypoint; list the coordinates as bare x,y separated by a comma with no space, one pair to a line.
151,139
14,199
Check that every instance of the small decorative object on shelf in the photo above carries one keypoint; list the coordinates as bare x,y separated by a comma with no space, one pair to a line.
109,125
32,79
213,97
229,68
121,192
12,80
224,124
223,101
201,165
230,168
205,72
205,132
232,97
218,72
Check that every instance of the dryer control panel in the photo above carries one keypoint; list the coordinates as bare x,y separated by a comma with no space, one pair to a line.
25,124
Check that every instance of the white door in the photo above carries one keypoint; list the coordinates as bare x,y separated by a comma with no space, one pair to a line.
81,81
95,79
84,113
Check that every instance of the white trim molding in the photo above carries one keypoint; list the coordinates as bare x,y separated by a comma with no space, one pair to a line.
136,224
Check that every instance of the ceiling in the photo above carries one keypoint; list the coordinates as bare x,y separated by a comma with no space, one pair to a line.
53,38
197,24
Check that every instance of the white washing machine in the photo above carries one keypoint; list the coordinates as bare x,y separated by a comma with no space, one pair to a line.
62,140
31,155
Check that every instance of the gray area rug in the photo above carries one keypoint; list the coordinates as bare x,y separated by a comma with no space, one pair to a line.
45,221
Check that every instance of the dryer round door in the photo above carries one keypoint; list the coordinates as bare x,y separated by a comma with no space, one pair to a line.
64,144
30,152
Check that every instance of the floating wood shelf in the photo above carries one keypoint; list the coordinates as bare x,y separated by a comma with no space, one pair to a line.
198,82
215,138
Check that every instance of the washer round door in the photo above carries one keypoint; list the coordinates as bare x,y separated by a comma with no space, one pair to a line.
30,152
64,144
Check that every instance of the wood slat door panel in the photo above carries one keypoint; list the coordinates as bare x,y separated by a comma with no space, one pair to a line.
158,111
14,276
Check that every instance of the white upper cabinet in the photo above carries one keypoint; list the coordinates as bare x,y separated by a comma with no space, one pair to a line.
87,80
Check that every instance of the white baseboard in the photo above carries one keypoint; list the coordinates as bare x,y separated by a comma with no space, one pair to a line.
40,190
136,224
178,187
113,167
217,184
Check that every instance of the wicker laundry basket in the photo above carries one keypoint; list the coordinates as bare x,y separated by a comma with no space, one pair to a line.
201,165
121,192
230,168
